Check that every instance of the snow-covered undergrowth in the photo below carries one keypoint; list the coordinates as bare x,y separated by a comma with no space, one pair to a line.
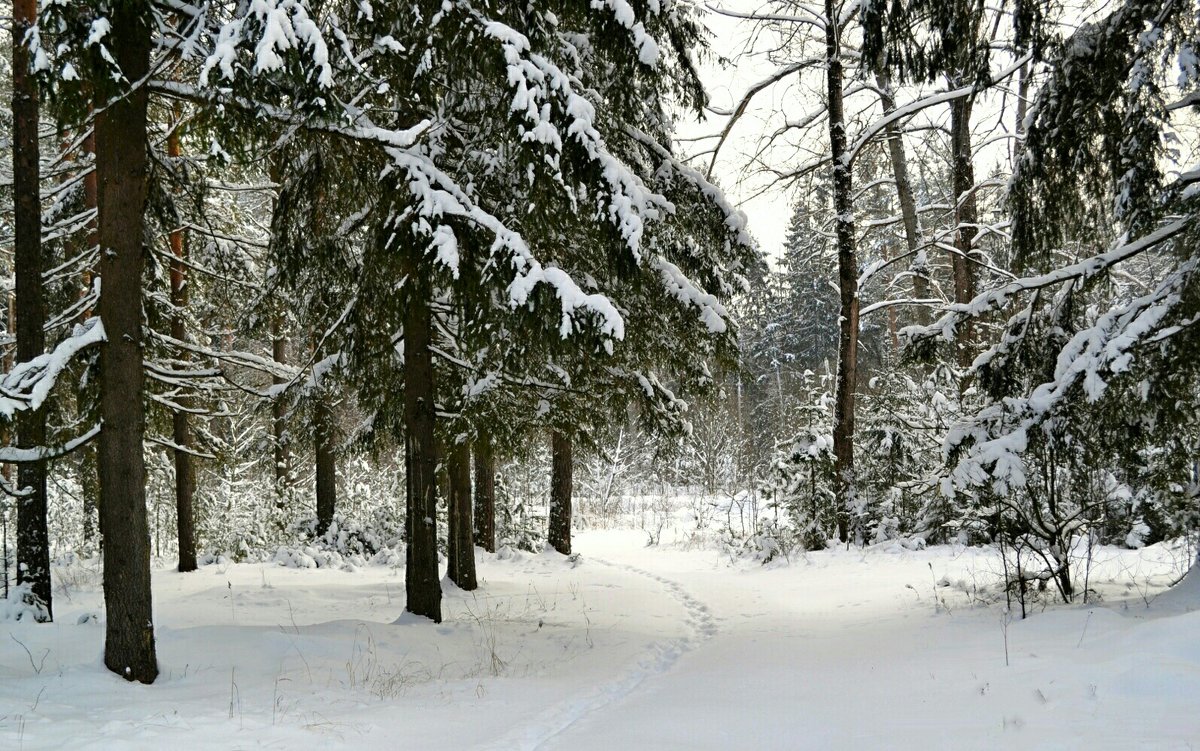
678,645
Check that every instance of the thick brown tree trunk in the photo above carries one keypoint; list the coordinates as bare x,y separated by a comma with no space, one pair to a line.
185,474
33,538
424,589
121,143
461,537
847,372
485,493
326,460
908,203
966,216
561,489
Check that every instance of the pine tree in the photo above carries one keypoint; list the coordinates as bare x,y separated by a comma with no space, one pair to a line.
121,146
33,540
185,475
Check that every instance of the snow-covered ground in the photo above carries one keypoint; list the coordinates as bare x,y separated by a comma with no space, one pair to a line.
625,647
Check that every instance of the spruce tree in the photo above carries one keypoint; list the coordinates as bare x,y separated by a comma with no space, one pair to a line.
121,168
33,540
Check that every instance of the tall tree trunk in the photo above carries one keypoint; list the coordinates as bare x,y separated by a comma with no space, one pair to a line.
424,590
90,191
33,538
966,216
443,477
121,143
282,452
1022,111
326,459
847,372
485,493
561,489
185,475
279,350
908,203
8,470
461,537
88,486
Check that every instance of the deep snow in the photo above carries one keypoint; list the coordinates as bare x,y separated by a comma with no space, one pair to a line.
624,647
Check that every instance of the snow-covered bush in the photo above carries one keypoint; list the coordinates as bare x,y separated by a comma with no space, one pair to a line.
382,529
22,605
517,526
803,491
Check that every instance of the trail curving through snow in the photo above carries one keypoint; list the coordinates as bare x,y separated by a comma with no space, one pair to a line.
657,660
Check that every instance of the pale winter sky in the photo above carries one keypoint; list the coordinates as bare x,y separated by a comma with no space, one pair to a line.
769,212
769,206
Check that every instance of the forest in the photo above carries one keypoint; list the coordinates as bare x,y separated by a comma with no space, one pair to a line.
465,336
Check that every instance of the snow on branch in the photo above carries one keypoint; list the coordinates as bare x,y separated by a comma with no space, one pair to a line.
912,108
13,455
735,218
360,127
28,384
752,91
648,52
712,312
241,359
438,196
958,313
538,84
275,27
1106,346
998,435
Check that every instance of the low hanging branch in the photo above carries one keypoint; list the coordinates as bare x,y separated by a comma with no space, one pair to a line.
959,313
14,455
28,384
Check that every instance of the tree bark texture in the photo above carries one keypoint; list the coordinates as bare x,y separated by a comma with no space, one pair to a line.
283,453
461,538
185,474
847,372
908,203
1022,111
90,190
9,470
33,539
326,460
121,144
485,493
966,217
88,483
561,489
424,590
